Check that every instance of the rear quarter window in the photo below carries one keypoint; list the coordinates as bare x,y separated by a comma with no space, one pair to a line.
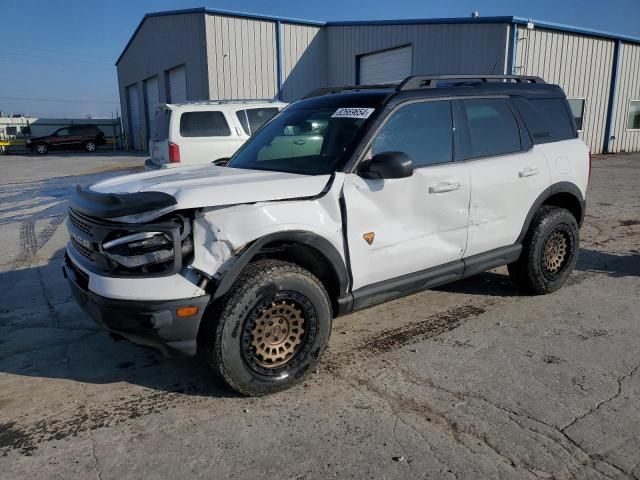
252,119
204,124
547,119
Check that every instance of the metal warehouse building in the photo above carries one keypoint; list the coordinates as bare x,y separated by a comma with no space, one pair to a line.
204,54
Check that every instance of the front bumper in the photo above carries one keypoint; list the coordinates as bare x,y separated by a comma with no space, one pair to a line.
150,323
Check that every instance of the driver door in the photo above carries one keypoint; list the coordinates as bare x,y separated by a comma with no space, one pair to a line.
406,226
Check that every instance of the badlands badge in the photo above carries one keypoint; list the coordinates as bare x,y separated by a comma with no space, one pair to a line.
368,237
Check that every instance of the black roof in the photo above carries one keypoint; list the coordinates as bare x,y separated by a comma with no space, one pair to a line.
374,96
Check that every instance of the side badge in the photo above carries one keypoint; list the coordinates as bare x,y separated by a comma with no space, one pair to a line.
368,237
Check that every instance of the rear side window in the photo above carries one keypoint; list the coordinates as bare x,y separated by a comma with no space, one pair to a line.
492,128
252,119
547,119
421,130
204,124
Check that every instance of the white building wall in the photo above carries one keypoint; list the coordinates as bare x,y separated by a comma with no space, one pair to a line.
628,89
241,58
304,60
580,64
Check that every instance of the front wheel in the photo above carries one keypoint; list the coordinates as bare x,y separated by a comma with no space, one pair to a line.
549,252
271,329
90,146
41,148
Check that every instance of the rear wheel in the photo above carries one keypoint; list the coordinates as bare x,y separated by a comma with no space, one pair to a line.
549,252
90,146
270,330
41,148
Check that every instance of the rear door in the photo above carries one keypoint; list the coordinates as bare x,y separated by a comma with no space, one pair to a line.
507,173
414,223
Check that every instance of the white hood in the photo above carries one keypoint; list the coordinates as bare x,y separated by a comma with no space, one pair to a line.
208,185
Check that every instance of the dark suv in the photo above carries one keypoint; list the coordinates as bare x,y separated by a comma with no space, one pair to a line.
87,137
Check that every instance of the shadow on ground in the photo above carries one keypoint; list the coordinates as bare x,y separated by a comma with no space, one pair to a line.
44,334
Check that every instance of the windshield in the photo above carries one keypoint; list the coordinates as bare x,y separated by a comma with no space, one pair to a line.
310,141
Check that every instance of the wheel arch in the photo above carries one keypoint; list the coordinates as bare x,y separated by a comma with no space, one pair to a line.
306,249
562,194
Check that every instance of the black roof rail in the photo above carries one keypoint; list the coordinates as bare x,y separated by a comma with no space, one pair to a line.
416,82
324,90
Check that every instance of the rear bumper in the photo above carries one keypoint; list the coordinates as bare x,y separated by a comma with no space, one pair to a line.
150,165
150,323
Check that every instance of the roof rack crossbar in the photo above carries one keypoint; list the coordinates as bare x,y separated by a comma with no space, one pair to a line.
416,82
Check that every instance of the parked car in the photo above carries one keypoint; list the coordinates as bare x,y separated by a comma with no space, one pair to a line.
406,187
205,132
87,137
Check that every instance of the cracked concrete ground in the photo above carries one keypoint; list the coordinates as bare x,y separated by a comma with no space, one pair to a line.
467,381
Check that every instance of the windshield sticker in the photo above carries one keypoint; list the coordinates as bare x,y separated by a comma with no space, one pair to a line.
353,113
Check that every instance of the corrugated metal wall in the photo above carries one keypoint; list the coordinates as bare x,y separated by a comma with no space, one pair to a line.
581,65
628,89
162,43
466,48
304,60
241,55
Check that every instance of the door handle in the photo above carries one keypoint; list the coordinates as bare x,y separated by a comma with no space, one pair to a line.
445,187
299,142
528,172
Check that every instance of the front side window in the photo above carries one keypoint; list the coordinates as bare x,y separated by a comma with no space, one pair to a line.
309,141
577,110
252,119
492,128
423,131
204,124
633,123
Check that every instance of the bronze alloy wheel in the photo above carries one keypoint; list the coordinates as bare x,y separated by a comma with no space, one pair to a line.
278,333
556,252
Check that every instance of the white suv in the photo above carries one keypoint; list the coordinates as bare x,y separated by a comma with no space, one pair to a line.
348,198
205,132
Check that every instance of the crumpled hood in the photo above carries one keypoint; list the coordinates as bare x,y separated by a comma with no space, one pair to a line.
208,185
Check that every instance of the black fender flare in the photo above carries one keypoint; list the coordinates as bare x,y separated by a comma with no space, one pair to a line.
306,238
560,187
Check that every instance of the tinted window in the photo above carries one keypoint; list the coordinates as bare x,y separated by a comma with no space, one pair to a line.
63,132
492,128
161,124
421,130
204,124
633,123
253,118
547,119
577,110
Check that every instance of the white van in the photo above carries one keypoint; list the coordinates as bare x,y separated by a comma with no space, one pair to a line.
204,132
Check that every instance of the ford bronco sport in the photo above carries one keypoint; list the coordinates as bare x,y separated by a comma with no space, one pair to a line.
404,187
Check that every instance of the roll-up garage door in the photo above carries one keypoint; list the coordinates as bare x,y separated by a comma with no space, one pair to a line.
153,99
134,117
177,85
385,67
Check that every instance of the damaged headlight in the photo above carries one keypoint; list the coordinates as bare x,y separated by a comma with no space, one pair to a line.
148,250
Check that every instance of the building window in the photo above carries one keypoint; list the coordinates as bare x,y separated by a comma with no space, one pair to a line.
577,109
633,122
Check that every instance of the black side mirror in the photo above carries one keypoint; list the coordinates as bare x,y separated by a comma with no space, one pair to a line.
221,162
387,165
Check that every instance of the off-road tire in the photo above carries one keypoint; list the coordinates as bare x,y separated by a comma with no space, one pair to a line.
529,273
261,284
